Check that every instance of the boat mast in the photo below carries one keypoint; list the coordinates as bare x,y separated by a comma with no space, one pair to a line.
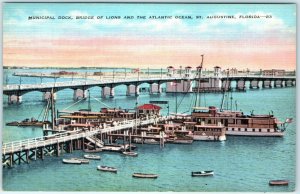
199,69
89,102
53,117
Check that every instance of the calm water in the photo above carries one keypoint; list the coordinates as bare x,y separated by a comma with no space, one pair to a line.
240,163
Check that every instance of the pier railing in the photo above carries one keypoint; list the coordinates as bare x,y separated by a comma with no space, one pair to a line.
20,145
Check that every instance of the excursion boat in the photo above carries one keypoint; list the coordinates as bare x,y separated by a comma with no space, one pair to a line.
92,157
71,161
203,173
278,182
237,123
93,151
130,153
28,122
107,169
143,175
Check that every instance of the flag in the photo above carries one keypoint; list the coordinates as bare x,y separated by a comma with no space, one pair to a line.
289,120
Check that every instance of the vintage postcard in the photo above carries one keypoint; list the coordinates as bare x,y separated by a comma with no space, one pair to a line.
181,97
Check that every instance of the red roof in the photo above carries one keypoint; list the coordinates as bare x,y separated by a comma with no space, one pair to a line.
188,67
170,67
149,107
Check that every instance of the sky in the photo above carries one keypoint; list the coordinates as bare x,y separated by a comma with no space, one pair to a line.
254,43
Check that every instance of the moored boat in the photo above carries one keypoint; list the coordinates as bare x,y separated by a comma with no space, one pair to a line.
143,175
83,161
203,173
71,161
130,153
278,182
92,157
107,169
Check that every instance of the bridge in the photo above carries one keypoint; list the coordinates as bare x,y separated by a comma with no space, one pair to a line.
184,83
25,150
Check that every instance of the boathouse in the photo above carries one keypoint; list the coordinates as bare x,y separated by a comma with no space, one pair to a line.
149,109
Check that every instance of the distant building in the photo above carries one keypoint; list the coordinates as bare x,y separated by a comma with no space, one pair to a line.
273,72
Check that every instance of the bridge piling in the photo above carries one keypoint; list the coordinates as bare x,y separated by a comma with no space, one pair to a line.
111,92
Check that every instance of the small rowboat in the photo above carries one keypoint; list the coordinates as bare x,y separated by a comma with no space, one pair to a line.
83,161
92,157
278,182
107,169
203,173
130,153
71,161
142,175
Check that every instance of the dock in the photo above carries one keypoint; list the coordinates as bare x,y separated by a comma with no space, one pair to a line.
23,151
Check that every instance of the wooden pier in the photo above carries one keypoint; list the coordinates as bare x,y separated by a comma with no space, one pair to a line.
24,151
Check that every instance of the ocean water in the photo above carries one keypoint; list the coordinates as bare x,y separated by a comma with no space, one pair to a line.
240,163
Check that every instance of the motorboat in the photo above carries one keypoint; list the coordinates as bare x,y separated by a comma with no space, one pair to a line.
130,153
203,173
92,157
71,161
107,169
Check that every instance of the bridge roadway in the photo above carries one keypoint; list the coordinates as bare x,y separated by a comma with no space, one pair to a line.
10,148
17,89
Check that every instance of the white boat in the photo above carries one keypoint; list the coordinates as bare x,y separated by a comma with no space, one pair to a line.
107,169
130,153
278,182
203,173
92,157
71,161
83,161
143,175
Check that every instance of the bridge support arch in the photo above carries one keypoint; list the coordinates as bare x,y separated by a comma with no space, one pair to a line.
46,95
132,89
80,93
155,88
14,98
278,83
254,84
267,84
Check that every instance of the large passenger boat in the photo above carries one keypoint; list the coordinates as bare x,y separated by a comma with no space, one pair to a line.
237,123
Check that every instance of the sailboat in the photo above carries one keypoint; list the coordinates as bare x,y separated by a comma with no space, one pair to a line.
201,130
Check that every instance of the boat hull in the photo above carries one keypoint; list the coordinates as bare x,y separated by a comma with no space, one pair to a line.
67,161
258,134
107,169
92,157
130,153
278,182
141,175
208,138
204,173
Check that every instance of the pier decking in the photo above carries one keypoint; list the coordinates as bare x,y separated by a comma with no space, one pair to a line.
34,148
